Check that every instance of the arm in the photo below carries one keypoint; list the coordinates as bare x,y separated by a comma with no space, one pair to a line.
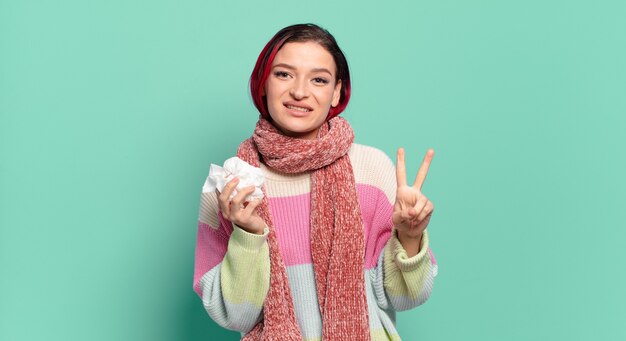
408,281
231,269
400,281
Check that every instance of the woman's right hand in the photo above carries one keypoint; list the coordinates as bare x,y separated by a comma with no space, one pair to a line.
238,213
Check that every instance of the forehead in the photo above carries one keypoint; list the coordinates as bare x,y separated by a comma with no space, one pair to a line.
305,55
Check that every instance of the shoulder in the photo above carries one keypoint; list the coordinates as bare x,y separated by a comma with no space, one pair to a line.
209,206
209,209
368,158
364,153
373,167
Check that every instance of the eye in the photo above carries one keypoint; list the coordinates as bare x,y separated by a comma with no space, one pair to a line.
281,74
320,80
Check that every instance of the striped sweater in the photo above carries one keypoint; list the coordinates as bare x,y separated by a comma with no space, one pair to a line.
232,266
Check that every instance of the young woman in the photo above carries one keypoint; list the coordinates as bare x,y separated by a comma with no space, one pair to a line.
339,243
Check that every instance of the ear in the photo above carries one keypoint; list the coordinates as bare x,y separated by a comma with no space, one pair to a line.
336,94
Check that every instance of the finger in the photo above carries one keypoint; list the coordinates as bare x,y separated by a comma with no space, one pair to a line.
223,200
419,207
400,217
221,204
241,195
400,168
424,223
408,214
421,173
426,211
251,207
228,189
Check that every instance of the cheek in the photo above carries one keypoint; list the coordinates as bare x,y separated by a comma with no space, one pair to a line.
273,98
327,97
269,88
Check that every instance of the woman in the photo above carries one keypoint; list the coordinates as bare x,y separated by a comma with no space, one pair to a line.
337,245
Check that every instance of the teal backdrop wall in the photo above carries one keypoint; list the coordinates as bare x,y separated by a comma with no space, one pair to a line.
112,111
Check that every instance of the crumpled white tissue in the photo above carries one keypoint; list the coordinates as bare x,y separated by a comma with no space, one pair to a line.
235,167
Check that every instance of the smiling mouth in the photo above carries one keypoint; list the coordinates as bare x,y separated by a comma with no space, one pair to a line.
292,107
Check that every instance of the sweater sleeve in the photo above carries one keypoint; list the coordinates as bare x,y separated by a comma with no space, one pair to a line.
408,281
399,282
232,268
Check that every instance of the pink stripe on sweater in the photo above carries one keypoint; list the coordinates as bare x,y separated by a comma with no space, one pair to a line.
291,220
376,211
291,216
211,245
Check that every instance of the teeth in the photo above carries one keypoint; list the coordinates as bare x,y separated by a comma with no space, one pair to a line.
298,108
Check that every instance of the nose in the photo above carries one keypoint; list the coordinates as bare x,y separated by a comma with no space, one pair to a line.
299,89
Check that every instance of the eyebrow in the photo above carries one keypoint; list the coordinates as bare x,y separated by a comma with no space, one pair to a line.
287,66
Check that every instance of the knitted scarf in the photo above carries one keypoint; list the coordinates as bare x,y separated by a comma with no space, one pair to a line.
337,240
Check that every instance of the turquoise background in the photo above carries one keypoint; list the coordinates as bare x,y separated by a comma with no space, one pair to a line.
112,111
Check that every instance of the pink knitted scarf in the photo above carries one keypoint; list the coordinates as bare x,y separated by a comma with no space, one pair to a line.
337,241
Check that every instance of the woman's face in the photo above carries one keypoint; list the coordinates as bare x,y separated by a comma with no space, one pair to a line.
301,88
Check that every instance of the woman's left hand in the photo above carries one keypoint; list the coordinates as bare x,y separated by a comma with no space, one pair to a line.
412,210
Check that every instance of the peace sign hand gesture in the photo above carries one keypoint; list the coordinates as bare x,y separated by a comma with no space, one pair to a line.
412,210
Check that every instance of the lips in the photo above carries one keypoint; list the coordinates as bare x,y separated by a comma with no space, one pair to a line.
298,107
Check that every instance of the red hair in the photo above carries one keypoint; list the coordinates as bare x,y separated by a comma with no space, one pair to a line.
299,33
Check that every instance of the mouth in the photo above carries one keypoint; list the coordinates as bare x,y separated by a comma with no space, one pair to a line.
302,109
